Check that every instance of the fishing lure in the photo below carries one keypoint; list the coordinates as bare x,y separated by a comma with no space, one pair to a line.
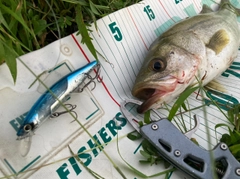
48,103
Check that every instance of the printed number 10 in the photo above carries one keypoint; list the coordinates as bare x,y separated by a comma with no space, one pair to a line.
149,12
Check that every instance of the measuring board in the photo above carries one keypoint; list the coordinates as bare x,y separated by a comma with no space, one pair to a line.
123,38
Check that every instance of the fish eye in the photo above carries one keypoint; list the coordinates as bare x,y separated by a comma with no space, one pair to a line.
27,128
158,64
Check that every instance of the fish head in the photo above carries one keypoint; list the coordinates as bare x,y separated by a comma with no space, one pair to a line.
166,71
28,126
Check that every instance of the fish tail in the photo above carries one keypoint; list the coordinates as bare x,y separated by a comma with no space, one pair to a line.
226,4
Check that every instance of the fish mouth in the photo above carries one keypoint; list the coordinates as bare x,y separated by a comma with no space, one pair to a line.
153,94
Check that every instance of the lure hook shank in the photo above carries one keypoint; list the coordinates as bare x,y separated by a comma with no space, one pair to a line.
91,79
70,109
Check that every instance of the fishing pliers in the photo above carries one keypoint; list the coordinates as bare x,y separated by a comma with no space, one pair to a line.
181,152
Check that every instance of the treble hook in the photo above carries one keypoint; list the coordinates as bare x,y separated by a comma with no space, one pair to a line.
99,79
70,109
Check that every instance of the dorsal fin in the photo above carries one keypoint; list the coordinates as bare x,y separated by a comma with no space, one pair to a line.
205,9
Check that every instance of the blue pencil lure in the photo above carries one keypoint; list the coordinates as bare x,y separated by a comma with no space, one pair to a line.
48,103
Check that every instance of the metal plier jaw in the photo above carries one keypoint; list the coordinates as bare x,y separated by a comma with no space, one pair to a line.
181,152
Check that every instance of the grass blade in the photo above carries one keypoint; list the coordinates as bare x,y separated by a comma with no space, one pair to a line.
84,31
82,2
9,58
147,117
180,101
94,174
19,18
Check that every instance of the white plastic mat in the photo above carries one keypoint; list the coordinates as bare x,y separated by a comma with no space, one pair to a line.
123,38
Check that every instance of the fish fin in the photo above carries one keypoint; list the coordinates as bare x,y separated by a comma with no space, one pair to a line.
214,84
205,9
226,4
218,41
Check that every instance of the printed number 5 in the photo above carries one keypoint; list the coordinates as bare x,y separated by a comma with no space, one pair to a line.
115,31
149,12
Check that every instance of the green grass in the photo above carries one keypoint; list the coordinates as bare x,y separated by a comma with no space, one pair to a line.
28,25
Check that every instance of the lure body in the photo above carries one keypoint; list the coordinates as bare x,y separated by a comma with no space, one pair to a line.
48,103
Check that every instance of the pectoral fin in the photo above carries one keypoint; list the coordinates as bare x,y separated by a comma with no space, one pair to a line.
214,84
218,41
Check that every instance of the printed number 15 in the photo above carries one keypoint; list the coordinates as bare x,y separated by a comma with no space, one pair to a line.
177,1
149,12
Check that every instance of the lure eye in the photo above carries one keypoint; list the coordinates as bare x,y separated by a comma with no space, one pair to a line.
158,64
27,128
